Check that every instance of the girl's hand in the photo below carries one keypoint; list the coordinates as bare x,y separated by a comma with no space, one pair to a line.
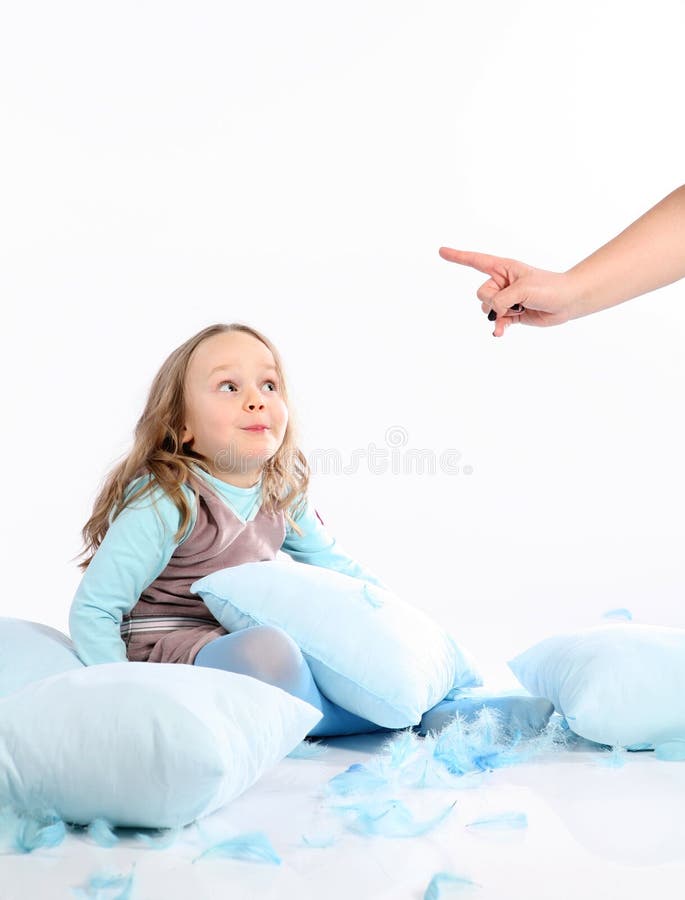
546,297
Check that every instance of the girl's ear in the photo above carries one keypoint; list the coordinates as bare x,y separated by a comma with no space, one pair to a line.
185,435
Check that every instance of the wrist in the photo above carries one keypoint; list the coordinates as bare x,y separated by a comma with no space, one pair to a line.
579,296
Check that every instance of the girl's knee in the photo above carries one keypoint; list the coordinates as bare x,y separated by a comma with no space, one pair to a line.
272,642
281,656
265,652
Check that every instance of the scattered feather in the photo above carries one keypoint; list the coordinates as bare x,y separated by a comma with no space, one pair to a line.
441,760
255,847
618,615
26,831
476,745
434,889
326,840
503,820
553,737
402,747
104,882
356,779
102,833
428,773
389,818
673,751
614,758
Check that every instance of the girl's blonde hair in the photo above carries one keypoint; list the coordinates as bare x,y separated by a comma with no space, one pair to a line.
157,450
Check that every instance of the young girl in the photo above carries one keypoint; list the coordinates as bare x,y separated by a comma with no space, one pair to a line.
214,479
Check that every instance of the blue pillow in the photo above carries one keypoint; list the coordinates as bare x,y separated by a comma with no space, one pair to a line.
520,715
147,745
30,651
617,684
369,652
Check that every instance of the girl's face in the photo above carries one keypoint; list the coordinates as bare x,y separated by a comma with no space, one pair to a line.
232,385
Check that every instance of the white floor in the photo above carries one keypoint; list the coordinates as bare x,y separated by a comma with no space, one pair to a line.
595,830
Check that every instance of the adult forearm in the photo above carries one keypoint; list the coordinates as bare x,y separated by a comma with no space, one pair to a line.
649,254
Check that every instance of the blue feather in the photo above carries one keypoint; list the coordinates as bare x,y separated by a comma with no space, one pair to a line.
402,747
614,758
474,746
427,772
356,779
31,830
101,832
390,818
503,820
433,891
326,840
619,615
254,846
100,882
440,759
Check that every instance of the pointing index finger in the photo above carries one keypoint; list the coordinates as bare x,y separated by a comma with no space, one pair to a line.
484,262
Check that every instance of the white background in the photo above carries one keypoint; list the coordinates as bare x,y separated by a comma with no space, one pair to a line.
296,166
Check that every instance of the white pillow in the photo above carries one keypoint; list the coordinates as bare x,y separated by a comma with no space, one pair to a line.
617,684
152,745
370,652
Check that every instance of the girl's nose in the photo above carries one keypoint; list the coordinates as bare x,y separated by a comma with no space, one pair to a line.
251,404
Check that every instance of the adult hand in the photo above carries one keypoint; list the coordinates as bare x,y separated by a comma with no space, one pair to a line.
538,297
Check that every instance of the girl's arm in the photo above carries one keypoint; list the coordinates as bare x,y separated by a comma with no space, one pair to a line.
134,551
318,547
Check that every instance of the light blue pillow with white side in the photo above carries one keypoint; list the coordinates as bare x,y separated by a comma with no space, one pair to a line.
370,652
30,651
617,684
146,745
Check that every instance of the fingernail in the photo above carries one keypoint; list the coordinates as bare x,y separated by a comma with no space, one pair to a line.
492,315
516,307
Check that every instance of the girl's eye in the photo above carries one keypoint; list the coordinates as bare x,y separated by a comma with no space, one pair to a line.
221,383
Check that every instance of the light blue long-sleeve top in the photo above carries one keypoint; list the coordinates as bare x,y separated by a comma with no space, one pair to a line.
140,542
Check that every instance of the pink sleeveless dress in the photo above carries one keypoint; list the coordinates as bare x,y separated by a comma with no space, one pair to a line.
168,623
